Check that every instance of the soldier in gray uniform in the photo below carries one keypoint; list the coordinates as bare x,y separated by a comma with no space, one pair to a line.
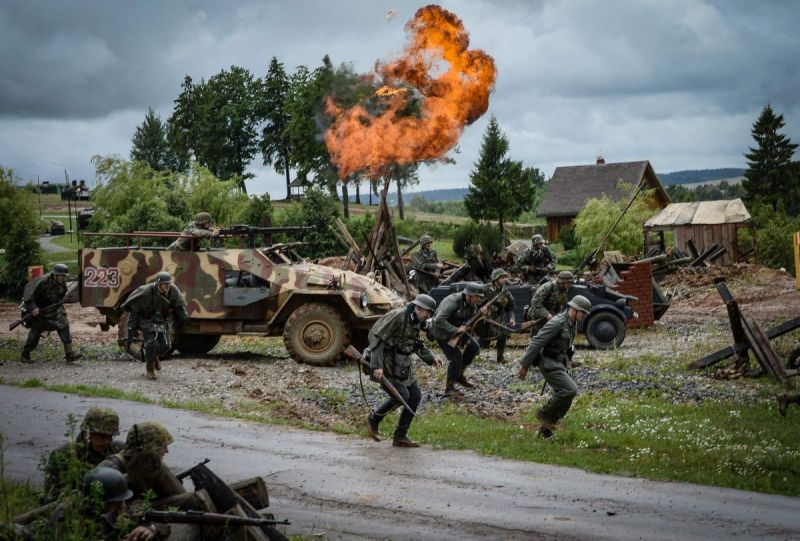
549,299
94,443
199,229
39,294
551,351
392,340
536,262
502,311
452,335
426,265
150,307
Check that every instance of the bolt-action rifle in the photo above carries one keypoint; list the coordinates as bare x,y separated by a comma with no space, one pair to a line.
384,381
17,323
454,341
200,517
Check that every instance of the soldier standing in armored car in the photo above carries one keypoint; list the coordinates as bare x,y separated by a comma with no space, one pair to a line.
501,311
94,443
452,335
392,340
551,351
39,296
536,262
149,307
549,299
426,265
200,228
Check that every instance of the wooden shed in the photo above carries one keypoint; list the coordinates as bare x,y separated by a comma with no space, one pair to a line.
706,223
570,187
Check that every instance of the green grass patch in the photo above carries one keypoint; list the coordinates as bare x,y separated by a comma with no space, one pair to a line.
99,392
16,498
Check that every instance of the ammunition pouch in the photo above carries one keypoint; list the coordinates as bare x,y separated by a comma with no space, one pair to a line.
401,365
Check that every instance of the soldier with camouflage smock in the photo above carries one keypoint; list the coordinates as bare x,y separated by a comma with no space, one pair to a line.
501,311
549,299
142,462
426,265
551,351
94,443
452,335
150,307
392,341
536,262
199,229
38,297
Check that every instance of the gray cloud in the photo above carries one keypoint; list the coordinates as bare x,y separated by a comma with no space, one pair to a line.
679,83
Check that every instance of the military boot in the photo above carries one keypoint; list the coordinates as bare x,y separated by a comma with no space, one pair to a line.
501,355
26,356
70,355
450,390
372,425
151,374
404,442
783,403
548,421
464,382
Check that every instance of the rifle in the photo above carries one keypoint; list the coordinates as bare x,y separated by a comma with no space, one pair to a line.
524,326
250,231
200,517
453,342
385,383
17,323
224,497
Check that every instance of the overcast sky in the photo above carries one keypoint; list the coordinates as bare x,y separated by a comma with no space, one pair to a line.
678,83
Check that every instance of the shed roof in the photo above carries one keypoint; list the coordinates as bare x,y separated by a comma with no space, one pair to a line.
570,187
298,182
729,211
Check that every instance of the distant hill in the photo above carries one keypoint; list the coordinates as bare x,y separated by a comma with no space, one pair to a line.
699,176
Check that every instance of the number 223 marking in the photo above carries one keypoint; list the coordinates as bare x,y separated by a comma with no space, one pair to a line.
101,277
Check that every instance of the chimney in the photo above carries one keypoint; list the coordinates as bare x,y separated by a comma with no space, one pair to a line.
600,159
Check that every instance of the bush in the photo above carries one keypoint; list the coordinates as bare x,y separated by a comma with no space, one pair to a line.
488,236
19,229
414,229
317,209
775,242
258,211
567,238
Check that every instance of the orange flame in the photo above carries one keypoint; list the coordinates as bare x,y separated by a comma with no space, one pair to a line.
452,82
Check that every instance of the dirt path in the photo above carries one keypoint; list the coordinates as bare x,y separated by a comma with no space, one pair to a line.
47,244
351,488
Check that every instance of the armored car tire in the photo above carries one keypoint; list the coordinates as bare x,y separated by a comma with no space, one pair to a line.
316,334
605,330
195,344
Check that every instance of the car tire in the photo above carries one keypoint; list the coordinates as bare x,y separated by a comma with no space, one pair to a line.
605,330
316,334
195,344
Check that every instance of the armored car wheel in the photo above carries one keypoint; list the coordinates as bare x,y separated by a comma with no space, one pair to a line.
195,344
315,334
605,330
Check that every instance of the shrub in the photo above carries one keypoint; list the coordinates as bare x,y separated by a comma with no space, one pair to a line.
567,238
775,242
19,229
258,211
317,209
487,235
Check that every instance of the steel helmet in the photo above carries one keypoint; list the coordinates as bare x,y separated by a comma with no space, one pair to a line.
115,487
59,269
498,273
425,239
474,288
566,276
100,420
149,435
163,277
425,302
203,218
537,238
580,303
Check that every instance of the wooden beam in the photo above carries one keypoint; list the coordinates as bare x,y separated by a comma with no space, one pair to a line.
722,354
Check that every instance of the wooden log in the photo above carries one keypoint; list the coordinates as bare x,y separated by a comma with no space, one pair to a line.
735,318
729,351
701,259
692,249
716,255
346,234
762,349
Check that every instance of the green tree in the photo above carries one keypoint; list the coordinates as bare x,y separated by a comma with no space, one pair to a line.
180,128
770,176
317,209
150,143
500,189
19,232
273,109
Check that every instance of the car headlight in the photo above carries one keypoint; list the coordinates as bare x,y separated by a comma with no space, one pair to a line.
364,300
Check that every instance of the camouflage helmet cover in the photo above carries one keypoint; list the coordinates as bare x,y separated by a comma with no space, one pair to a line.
537,239
115,487
498,273
566,276
150,435
101,420
426,302
163,277
59,269
203,218
425,239
580,303
474,289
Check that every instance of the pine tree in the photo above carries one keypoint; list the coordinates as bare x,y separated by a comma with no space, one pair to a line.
770,176
150,142
275,142
500,189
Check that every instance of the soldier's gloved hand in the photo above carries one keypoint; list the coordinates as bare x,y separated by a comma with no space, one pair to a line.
438,362
378,373
35,312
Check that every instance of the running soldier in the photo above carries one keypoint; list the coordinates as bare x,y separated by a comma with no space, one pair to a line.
548,300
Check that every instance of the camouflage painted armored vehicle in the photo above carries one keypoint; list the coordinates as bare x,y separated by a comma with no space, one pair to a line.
318,310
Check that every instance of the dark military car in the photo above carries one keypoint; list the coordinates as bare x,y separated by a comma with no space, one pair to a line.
604,327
